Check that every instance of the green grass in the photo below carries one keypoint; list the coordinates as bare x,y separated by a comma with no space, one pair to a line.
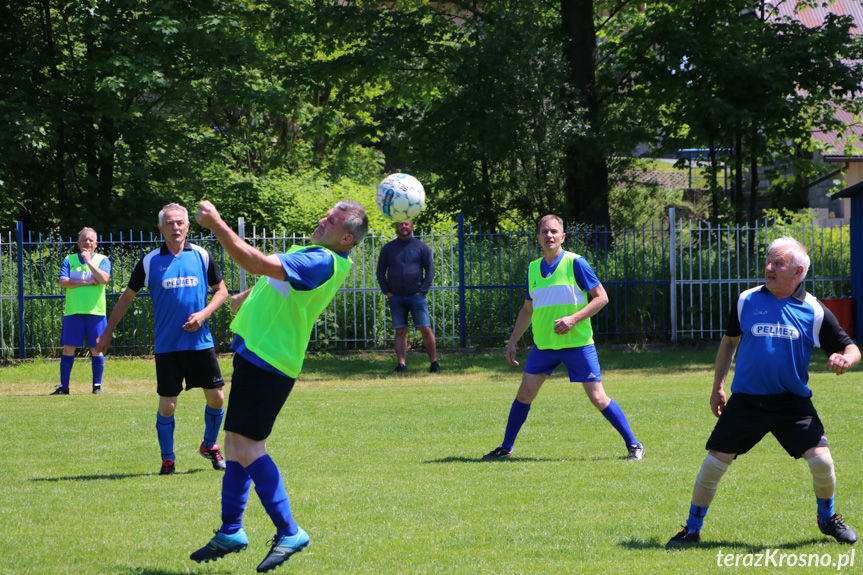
384,473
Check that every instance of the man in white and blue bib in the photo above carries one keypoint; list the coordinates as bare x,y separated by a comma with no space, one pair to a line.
773,328
558,311
178,275
83,276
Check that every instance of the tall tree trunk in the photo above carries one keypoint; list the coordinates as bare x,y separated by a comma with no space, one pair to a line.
586,170
59,167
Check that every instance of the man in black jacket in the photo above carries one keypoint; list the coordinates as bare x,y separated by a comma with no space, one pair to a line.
405,272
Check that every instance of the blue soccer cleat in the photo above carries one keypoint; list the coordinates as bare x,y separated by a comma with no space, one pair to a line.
283,548
220,545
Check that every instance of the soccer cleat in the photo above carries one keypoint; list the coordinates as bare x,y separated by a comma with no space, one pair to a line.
214,455
434,367
60,391
282,549
498,453
220,545
835,527
400,368
167,467
636,452
684,539
97,390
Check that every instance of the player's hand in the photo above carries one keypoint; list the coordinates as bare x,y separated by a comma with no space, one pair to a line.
510,354
207,215
102,342
389,294
564,324
195,321
84,254
237,301
717,402
838,363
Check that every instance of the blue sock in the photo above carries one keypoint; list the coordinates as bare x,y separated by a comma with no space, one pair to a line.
213,418
66,362
271,490
696,519
825,509
517,416
615,416
235,495
98,362
165,431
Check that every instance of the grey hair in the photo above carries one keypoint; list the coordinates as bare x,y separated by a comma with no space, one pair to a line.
357,222
799,255
550,217
172,207
87,230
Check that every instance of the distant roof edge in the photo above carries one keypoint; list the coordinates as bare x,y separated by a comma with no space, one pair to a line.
849,191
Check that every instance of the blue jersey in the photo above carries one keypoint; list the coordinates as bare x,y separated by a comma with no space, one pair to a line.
179,287
104,265
585,277
777,340
305,271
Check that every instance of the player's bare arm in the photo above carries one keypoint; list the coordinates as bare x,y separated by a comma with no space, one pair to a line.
598,300
238,299
247,257
117,313
724,357
839,363
522,322
197,319
100,276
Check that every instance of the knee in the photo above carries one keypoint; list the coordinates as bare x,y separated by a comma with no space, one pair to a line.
823,472
711,472
599,399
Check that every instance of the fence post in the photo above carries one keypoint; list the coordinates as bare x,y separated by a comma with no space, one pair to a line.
241,231
672,264
22,337
462,315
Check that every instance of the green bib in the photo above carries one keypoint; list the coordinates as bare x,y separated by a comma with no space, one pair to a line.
555,297
88,300
276,320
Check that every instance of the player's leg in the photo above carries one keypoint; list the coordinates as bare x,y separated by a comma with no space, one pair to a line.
518,412
401,348
169,384
96,324
824,483
202,370
422,321
399,313
713,467
615,416
71,337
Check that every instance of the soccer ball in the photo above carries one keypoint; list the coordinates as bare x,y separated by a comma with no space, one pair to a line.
400,197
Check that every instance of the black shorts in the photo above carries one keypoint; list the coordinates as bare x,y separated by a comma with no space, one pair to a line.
747,418
199,367
256,398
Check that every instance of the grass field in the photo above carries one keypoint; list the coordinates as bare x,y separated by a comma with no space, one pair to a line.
384,473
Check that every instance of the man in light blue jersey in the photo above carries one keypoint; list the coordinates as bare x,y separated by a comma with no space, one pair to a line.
773,328
83,276
273,324
177,275
558,310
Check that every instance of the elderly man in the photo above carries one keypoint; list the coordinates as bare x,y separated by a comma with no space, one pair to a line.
773,328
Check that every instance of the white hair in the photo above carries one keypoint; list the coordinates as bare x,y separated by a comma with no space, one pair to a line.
171,208
799,256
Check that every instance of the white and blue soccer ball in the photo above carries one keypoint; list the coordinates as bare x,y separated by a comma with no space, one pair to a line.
400,197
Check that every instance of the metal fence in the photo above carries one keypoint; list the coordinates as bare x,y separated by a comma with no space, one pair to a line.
669,281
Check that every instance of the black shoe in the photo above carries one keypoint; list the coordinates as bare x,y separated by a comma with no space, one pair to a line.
60,391
220,545
636,452
684,539
498,453
97,390
434,367
836,528
214,455
401,367
167,467
282,549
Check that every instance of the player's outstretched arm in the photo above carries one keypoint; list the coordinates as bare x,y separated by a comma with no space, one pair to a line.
238,299
117,313
839,363
522,322
247,257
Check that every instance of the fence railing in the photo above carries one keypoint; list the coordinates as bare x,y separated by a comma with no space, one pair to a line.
666,282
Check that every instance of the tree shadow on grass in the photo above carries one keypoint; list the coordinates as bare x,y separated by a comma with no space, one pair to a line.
739,546
112,476
516,459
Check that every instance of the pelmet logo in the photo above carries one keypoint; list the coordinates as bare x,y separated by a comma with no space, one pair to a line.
172,283
775,330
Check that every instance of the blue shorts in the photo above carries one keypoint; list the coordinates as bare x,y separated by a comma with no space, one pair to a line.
78,325
581,362
400,305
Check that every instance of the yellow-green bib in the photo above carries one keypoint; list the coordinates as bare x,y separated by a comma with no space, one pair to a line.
84,299
554,297
276,320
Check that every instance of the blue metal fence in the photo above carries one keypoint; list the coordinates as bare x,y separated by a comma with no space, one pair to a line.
666,281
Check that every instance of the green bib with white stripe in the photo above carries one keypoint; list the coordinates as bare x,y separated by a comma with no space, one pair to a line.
555,297
276,320
88,300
